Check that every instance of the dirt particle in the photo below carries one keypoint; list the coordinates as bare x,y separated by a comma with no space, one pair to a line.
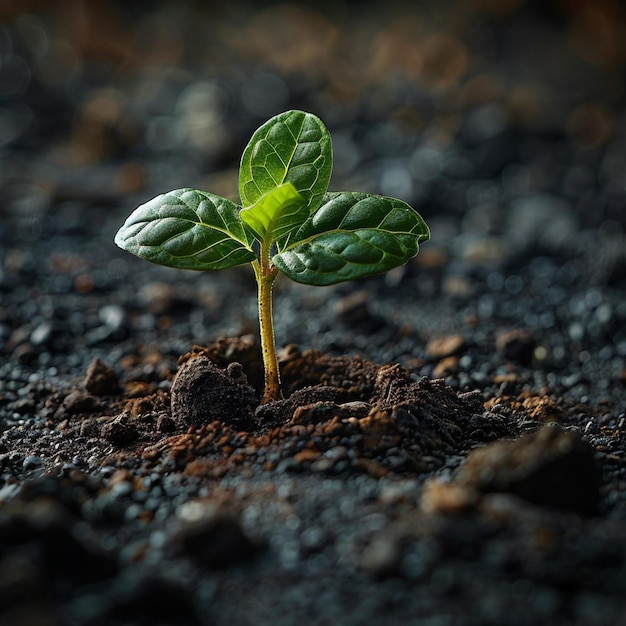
80,402
100,379
121,432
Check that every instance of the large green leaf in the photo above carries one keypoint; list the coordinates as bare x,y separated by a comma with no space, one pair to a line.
276,213
187,229
291,147
350,236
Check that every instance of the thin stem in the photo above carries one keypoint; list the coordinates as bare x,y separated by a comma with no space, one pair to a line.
265,275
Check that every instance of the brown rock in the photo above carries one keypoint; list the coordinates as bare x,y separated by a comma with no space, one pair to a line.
449,365
443,347
516,345
80,402
447,498
121,432
100,379
307,455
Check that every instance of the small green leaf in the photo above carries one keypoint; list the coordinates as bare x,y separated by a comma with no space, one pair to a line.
276,213
291,147
352,235
187,229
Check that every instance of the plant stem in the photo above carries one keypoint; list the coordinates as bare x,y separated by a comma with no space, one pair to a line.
265,275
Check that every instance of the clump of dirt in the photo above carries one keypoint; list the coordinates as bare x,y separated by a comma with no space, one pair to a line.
186,464
339,414
202,392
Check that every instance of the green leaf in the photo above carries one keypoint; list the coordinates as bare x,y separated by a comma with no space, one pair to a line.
352,235
276,213
291,147
187,229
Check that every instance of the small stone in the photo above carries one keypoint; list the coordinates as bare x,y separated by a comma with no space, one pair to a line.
382,556
457,286
445,367
447,498
100,379
31,462
354,409
80,402
213,538
307,455
323,464
336,453
42,334
113,316
542,408
443,347
121,432
516,345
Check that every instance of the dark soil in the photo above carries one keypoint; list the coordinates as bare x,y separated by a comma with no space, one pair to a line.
450,446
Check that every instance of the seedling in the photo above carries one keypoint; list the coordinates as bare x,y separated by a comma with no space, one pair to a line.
287,222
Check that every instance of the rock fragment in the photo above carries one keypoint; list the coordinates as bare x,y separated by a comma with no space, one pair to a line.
443,347
100,379
516,345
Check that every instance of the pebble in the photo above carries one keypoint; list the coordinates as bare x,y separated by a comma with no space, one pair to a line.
120,431
41,334
447,346
113,316
100,379
445,367
516,345
80,402
31,462
382,556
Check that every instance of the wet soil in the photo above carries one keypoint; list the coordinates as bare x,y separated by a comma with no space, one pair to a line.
450,447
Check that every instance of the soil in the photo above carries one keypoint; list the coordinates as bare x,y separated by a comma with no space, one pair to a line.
450,445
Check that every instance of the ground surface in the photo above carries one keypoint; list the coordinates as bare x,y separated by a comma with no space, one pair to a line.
451,446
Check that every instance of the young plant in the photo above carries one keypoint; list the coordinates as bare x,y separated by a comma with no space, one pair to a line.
287,222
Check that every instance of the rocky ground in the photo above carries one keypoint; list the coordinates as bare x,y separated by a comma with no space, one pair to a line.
450,449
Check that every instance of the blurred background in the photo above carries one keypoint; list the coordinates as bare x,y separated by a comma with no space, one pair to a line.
501,121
